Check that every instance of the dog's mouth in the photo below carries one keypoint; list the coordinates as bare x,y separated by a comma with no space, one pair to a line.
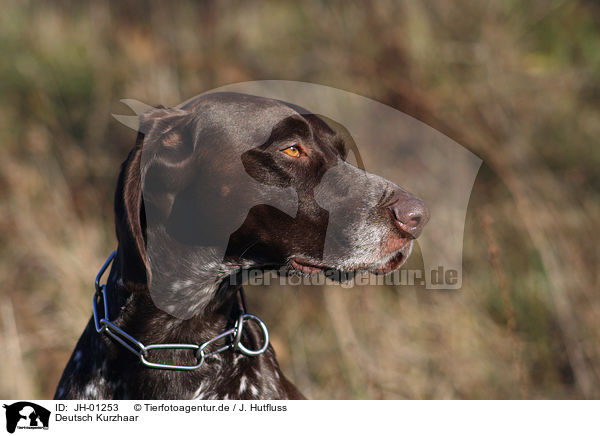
385,265
306,267
392,262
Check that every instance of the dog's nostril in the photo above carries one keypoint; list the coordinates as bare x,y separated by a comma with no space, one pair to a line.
415,220
411,215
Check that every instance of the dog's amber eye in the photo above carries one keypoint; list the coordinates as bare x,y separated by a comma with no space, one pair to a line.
292,151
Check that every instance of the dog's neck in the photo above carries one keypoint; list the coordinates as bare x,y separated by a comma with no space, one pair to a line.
102,368
225,375
136,311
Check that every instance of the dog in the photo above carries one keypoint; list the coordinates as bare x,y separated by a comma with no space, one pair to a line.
223,184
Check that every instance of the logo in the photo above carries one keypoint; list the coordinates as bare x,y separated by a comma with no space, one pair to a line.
402,150
26,415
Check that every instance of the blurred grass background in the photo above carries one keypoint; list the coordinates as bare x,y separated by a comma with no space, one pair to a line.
515,82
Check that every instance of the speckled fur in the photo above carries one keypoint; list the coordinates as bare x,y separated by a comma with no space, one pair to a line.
99,368
205,194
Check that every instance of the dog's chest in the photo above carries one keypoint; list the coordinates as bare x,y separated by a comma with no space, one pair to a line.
242,378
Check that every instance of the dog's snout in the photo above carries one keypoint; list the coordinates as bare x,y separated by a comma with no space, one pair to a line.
410,214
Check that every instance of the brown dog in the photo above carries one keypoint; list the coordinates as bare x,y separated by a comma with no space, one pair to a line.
227,183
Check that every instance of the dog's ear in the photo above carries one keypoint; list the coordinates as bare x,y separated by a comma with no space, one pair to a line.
164,142
130,221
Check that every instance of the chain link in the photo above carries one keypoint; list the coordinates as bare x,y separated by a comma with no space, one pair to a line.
105,326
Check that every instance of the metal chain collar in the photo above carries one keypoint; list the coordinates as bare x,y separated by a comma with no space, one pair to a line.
104,325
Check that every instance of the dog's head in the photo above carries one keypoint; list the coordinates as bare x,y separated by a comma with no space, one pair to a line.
230,181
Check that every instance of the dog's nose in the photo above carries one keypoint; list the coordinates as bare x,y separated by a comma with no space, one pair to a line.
410,214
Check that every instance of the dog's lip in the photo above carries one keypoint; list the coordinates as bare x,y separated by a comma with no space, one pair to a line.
394,260
305,266
392,264
388,264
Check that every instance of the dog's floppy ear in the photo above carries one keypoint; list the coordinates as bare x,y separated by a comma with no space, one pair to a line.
153,167
130,221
